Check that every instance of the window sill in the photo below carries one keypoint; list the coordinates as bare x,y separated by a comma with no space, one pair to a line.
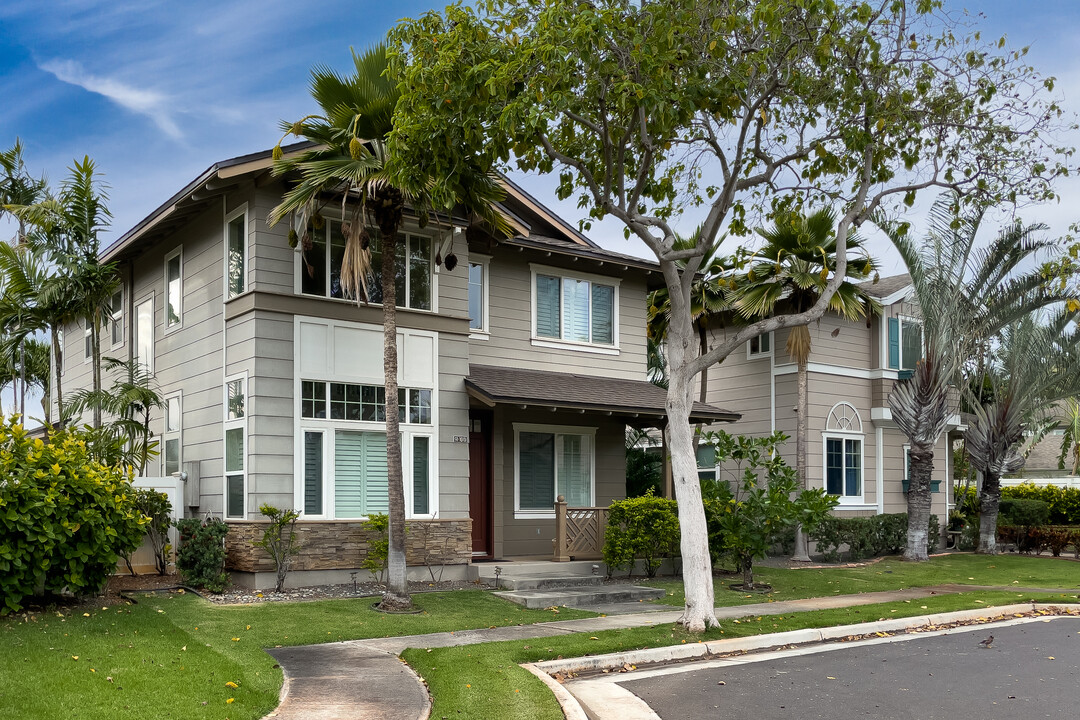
575,347
534,514
854,505
479,335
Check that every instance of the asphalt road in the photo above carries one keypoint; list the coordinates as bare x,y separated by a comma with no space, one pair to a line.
1031,671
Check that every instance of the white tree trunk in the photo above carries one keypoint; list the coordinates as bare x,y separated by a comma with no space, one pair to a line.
802,545
699,612
921,466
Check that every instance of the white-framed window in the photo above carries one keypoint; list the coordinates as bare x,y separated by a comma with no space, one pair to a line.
549,461
843,453
320,271
116,319
706,462
144,334
574,309
88,341
171,438
904,342
478,296
174,289
760,346
236,252
235,488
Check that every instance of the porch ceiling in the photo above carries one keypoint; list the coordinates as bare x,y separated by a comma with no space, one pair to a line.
630,398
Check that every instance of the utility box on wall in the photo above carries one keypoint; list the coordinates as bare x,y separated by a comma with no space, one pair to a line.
192,486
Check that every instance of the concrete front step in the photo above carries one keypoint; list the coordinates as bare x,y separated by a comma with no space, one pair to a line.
581,596
547,582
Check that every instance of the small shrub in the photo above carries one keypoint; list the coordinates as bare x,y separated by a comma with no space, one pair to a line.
279,540
1063,503
645,527
201,558
378,553
65,519
748,517
157,508
867,536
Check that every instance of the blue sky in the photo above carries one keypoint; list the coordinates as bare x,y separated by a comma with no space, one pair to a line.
157,91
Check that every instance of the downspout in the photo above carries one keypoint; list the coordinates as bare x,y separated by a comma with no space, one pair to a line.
772,386
879,469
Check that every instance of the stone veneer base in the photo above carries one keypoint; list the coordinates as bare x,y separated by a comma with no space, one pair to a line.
340,546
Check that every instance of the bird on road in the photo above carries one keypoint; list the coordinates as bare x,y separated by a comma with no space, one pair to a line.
988,642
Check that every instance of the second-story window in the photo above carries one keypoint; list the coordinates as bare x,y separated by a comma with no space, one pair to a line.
760,346
174,289
236,255
905,343
574,309
144,334
478,297
115,325
320,271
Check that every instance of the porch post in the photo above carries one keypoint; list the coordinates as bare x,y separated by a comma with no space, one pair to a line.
561,552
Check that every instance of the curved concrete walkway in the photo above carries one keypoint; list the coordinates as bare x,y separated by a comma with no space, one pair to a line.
366,679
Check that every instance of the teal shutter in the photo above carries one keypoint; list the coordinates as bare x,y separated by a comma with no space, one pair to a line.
313,472
421,464
376,495
894,343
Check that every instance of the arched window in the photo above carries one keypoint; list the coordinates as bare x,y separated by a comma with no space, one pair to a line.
843,453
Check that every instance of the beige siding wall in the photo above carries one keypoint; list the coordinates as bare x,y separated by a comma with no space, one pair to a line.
533,537
742,385
453,422
509,342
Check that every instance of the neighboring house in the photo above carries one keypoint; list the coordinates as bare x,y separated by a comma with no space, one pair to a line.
854,449
519,372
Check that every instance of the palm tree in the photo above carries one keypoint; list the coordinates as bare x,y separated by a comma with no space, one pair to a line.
966,295
36,371
1070,440
1036,364
34,301
129,400
67,226
791,270
18,189
349,165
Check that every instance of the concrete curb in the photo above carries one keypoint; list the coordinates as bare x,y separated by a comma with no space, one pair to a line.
615,661
570,706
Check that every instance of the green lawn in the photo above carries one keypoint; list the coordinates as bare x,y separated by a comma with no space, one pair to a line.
115,662
171,656
483,682
892,574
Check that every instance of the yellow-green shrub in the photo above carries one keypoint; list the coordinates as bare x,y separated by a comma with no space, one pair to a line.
65,518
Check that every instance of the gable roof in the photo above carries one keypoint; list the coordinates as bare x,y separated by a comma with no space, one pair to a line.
887,289
550,233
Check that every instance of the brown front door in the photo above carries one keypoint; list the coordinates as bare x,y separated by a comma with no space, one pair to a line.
480,482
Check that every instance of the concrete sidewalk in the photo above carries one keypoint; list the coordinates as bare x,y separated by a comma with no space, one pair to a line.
366,679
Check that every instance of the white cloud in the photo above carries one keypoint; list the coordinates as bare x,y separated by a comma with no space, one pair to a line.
150,103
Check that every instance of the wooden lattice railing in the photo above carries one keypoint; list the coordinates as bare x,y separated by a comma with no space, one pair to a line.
579,531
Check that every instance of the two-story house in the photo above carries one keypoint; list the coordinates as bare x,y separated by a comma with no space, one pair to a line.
854,449
519,370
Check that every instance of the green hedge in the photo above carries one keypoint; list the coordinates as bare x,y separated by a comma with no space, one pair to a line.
1063,503
867,536
645,527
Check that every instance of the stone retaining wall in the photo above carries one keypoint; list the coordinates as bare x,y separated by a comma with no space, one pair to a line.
341,544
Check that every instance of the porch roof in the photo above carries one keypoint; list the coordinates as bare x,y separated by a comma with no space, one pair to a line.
633,398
